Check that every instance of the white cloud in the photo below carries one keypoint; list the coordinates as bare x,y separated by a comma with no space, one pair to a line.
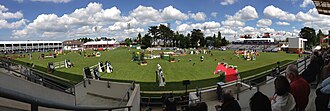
19,1
55,1
266,30
178,22
171,13
247,13
146,14
208,28
214,14
282,23
81,22
17,24
237,20
264,23
4,15
228,2
199,16
306,3
3,8
315,20
233,23
247,30
274,12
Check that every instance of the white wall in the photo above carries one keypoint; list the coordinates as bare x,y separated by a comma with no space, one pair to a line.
29,88
116,91
293,43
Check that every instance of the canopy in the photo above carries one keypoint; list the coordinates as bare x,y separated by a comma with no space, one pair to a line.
230,73
317,48
284,46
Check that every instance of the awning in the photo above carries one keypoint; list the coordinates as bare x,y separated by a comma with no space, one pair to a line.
322,6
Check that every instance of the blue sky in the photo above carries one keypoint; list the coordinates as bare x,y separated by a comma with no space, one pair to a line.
72,19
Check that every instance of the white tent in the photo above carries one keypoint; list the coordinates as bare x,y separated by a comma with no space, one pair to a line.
284,46
317,47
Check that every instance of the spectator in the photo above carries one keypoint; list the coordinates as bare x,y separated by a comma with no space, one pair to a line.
282,100
219,90
260,102
323,95
170,103
228,103
325,73
299,87
312,70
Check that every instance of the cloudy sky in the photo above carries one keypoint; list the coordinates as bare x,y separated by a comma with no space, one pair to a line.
72,19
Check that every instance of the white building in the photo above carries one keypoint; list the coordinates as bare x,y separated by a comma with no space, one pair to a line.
296,44
255,40
28,46
101,45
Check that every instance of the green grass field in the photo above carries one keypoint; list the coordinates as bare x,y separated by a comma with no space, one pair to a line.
201,74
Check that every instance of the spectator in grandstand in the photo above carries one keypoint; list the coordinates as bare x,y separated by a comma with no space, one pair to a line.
228,103
169,103
201,106
313,69
260,102
219,91
322,96
299,87
325,73
282,99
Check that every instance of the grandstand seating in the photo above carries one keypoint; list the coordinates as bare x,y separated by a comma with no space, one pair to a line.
260,48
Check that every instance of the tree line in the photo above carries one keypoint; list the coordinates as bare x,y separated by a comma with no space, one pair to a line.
165,37
313,39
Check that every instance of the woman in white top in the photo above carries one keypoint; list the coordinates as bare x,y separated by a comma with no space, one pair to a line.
282,100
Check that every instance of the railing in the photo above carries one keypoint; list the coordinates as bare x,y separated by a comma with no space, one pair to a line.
300,63
37,102
36,76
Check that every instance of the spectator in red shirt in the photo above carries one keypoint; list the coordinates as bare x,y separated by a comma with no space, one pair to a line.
299,87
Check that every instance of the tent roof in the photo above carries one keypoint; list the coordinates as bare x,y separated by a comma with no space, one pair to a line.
322,6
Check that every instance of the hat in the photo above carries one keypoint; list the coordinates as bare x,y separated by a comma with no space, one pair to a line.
220,83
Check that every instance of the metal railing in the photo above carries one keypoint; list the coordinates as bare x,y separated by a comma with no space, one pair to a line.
36,76
37,102
300,63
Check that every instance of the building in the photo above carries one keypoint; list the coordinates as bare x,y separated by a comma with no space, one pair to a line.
255,40
101,44
29,46
296,45
72,45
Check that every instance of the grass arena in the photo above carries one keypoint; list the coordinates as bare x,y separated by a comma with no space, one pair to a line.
184,67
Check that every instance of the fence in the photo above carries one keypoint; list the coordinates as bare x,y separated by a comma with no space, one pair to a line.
32,75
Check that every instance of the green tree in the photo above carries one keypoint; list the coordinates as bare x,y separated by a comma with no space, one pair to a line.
154,31
224,42
147,40
309,34
319,35
128,41
197,38
166,34
209,41
139,39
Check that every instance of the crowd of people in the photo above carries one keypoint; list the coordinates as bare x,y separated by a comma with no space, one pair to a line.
292,91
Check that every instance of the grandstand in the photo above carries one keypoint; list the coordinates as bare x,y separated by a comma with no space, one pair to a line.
39,91
258,44
28,46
